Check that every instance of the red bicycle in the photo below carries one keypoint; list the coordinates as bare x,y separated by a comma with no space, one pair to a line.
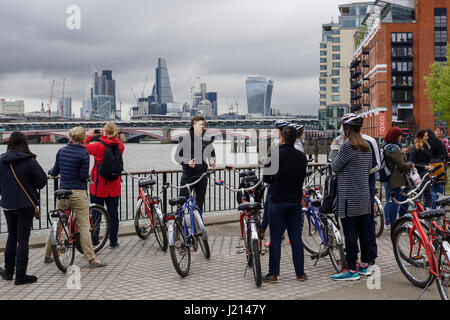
148,215
421,245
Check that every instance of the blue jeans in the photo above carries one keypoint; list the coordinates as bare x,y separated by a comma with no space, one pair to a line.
436,188
265,219
282,216
392,208
112,206
387,197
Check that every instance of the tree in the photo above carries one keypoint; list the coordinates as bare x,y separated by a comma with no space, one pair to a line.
438,88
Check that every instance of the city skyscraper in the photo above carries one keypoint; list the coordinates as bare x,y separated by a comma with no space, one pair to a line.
67,106
99,106
259,94
336,54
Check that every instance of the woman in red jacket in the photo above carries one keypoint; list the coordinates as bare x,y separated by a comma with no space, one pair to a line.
101,190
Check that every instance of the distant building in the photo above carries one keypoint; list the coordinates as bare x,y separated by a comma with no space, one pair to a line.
105,109
12,107
102,86
66,106
259,94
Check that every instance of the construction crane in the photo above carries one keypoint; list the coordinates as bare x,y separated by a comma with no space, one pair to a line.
49,105
143,89
62,99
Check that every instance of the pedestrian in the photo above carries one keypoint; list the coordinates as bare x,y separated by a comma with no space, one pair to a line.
439,133
72,165
298,141
285,173
352,163
106,190
438,157
195,152
396,161
20,178
420,155
278,126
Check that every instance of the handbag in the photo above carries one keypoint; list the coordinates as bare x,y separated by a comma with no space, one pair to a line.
439,171
37,214
413,178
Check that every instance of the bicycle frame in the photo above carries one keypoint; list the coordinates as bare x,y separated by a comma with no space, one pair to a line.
150,203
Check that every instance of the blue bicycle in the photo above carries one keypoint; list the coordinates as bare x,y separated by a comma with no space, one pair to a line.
186,229
322,235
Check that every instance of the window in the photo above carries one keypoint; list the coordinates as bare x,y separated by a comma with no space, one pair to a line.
323,81
402,52
323,67
323,53
335,81
323,74
323,88
335,89
402,66
336,57
336,64
440,17
440,36
323,96
336,40
323,103
439,51
323,60
402,96
335,98
336,48
323,46
335,72
401,37
336,31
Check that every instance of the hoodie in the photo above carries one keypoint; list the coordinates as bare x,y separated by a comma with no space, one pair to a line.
30,175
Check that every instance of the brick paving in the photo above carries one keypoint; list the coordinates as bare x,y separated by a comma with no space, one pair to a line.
138,269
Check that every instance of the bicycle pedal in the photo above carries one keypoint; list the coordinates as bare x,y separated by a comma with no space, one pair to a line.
314,256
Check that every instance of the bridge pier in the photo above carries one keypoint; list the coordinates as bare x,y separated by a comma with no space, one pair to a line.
123,137
166,136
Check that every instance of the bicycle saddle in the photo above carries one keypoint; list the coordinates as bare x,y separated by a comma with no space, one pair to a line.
249,206
246,173
62,194
177,201
442,200
146,183
435,213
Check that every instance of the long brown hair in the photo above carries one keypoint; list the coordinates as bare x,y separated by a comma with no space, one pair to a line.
355,139
19,141
419,140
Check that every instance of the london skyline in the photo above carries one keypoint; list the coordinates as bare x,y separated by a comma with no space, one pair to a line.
218,43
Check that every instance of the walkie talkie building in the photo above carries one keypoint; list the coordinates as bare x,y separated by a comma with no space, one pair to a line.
259,94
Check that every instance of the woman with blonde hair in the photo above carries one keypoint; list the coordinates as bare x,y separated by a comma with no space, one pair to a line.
72,165
420,155
106,186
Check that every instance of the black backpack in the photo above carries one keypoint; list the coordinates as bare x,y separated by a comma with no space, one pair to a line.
384,171
112,165
247,182
329,194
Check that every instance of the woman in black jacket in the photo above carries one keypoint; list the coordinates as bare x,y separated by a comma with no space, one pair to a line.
420,155
438,155
17,207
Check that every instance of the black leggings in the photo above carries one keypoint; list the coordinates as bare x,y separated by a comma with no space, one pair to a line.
356,228
19,228
200,189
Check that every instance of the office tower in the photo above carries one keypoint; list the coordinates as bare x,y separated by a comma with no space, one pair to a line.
390,62
102,85
67,106
12,107
336,54
212,97
259,94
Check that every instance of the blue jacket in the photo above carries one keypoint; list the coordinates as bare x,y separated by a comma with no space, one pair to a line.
30,175
72,164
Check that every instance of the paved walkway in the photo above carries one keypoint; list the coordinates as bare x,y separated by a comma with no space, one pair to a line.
138,269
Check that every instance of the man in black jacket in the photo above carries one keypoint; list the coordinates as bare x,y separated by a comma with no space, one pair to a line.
285,173
194,153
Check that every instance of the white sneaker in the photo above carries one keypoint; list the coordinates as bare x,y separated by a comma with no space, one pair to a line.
387,227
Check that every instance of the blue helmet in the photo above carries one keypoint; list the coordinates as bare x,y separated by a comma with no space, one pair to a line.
280,124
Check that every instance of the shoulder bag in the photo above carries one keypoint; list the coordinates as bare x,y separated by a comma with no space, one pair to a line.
37,214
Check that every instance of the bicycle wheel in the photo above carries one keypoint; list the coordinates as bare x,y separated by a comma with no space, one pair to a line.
160,230
443,283
63,248
335,249
247,242
142,222
311,236
379,218
405,220
180,252
411,257
201,235
256,262
99,227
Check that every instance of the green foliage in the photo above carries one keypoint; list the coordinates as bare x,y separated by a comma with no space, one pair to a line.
359,35
438,88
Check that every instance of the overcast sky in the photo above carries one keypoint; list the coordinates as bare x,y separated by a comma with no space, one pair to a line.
218,42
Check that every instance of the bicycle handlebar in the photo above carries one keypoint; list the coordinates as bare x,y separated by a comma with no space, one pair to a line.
431,181
167,185
222,183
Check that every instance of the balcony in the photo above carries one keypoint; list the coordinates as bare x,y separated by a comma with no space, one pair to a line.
365,51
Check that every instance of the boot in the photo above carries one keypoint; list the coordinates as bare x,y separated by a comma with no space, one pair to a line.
21,272
8,272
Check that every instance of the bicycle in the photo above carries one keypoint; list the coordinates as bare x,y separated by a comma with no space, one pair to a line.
428,233
378,215
249,220
65,235
148,215
323,234
184,234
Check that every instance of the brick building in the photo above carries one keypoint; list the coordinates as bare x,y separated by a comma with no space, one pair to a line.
401,40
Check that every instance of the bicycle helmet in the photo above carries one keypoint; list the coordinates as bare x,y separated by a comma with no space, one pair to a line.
352,119
280,124
297,127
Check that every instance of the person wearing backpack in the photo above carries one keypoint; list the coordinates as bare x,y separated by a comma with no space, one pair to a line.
105,175
396,162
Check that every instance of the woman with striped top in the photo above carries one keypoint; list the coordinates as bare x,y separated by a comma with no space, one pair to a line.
352,163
